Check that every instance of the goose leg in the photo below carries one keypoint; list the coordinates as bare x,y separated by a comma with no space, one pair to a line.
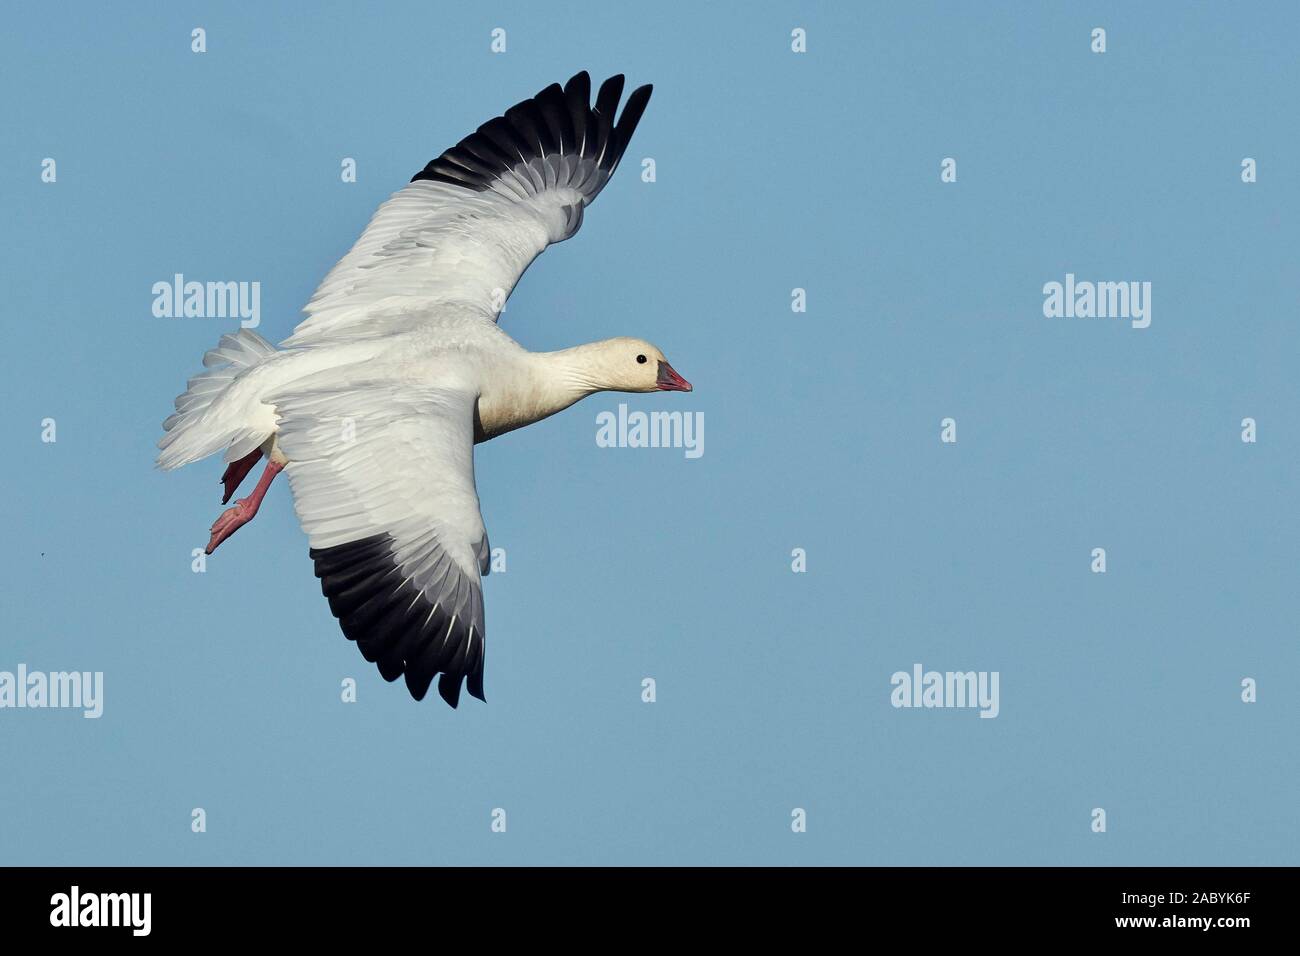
234,518
237,471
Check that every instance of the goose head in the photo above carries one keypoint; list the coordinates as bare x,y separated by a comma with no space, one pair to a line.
634,365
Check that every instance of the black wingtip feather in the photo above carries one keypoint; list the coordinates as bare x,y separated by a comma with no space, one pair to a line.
449,688
555,111
557,120
632,112
417,682
475,689
394,624
611,91
578,89
475,682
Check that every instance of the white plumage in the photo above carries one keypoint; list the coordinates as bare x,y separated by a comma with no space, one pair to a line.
372,406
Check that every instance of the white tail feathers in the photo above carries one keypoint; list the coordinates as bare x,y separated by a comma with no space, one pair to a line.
189,435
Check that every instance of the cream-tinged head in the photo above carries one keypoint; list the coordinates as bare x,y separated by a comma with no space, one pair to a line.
627,365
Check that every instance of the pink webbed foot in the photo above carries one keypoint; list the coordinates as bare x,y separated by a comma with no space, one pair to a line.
237,471
231,520
244,510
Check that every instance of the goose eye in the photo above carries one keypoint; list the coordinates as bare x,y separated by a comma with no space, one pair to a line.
640,359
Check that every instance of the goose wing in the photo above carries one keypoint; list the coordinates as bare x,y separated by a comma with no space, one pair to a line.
383,483
469,223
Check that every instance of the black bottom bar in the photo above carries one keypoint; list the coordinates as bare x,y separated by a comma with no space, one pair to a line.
368,904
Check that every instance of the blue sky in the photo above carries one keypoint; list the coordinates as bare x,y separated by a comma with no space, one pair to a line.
774,171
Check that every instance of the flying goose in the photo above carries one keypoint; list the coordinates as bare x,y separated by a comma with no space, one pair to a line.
373,405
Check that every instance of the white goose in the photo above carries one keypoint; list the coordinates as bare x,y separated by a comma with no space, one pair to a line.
374,403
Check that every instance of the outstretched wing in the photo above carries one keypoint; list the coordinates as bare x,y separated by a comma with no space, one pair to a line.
383,483
472,221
